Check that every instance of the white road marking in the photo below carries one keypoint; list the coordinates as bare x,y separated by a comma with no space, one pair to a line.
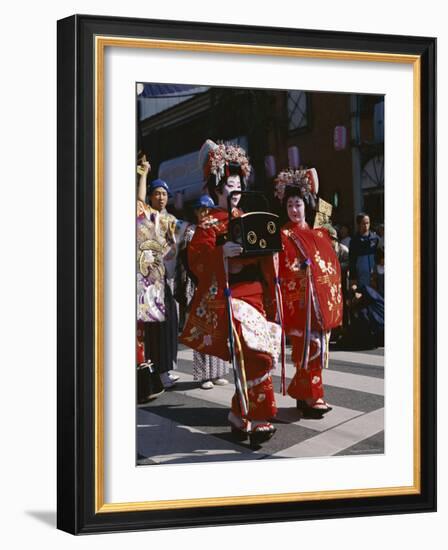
356,382
222,395
158,436
339,438
362,359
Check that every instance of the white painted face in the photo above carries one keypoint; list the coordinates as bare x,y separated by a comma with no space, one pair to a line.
296,209
233,183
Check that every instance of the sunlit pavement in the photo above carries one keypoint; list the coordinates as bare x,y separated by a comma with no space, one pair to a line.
189,424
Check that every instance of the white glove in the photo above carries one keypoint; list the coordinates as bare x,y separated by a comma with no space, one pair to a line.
231,249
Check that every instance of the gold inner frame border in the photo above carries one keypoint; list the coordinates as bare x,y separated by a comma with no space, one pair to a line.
101,43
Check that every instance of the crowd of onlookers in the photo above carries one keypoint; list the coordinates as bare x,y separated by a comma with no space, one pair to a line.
361,256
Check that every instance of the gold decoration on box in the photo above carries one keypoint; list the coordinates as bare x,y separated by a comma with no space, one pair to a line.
251,237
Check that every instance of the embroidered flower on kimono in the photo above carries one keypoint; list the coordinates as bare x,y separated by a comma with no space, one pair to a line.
320,262
195,334
207,340
200,311
140,209
209,222
330,305
213,290
325,268
261,397
291,285
294,265
315,380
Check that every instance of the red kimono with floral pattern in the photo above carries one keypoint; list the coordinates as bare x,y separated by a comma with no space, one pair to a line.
312,303
207,326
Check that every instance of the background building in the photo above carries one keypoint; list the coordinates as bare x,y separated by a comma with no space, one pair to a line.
339,134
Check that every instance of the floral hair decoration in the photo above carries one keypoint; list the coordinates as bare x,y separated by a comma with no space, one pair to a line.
222,160
305,181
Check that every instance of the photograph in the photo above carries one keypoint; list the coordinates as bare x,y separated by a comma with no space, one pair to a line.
260,269
226,192
220,357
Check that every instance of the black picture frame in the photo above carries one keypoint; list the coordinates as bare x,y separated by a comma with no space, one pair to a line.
77,474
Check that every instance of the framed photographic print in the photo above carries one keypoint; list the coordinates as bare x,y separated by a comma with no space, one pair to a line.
236,341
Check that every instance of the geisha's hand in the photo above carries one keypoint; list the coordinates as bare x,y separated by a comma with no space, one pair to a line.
231,249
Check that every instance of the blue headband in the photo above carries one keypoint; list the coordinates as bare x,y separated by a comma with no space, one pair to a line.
159,183
204,201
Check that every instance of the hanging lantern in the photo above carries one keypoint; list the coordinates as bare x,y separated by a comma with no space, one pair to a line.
269,166
340,138
293,157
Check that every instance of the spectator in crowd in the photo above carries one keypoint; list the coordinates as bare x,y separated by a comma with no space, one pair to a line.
344,235
380,231
362,252
366,328
342,251
379,268
159,235
380,260
207,369
150,293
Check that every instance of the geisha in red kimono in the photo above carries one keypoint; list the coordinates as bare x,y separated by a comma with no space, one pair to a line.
311,289
243,287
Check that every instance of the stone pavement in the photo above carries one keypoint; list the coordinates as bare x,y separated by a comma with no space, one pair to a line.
187,424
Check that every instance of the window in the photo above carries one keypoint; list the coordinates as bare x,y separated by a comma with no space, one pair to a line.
297,110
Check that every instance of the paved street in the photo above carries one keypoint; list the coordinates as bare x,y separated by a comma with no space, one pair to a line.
188,424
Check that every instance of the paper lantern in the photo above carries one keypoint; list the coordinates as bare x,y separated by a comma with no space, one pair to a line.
269,166
340,138
293,157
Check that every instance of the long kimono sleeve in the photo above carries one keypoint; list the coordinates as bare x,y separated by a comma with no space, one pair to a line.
206,329
204,253
176,233
293,285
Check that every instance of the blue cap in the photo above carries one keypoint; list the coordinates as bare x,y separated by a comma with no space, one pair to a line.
159,183
204,201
